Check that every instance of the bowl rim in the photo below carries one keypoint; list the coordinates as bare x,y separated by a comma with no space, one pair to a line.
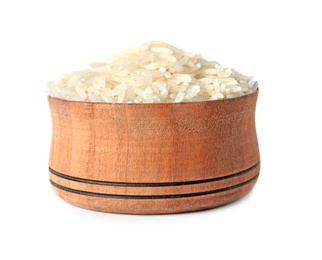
160,104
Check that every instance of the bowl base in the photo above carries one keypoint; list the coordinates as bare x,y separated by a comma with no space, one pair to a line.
154,204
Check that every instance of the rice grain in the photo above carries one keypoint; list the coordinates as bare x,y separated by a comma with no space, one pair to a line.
154,72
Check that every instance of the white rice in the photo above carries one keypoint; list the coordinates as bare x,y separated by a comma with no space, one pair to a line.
154,72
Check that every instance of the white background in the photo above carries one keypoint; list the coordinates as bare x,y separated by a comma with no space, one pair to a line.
278,42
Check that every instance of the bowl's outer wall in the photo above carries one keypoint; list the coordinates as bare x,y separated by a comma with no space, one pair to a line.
100,148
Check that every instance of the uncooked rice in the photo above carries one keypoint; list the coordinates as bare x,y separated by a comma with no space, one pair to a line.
154,72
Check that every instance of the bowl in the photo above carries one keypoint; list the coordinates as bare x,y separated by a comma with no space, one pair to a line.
153,158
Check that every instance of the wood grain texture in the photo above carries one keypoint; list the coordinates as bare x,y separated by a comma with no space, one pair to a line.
153,158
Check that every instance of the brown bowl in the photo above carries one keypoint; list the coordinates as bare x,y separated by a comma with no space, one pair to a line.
153,158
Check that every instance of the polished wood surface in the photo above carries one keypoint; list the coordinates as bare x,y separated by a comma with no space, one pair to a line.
153,158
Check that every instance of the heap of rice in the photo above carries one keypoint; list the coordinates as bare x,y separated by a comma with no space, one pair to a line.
154,72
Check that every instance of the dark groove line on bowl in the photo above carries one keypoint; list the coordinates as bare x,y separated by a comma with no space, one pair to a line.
153,184
169,196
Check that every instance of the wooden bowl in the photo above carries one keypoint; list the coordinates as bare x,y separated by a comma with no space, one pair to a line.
153,158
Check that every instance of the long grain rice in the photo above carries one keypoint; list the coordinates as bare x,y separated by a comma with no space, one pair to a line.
154,72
